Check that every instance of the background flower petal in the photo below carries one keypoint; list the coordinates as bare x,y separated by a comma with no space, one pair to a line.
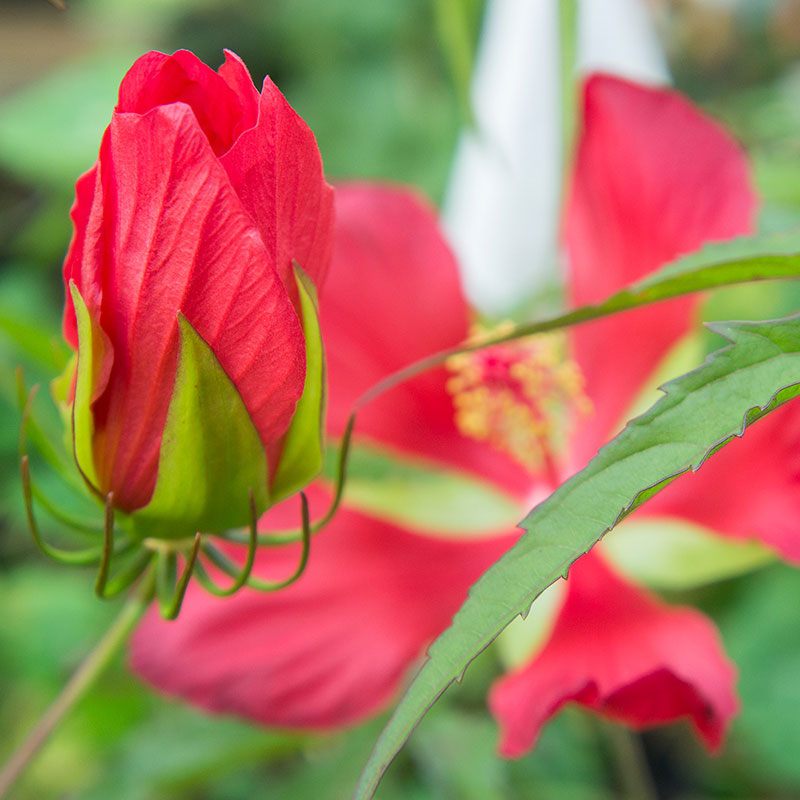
394,296
332,648
620,652
654,179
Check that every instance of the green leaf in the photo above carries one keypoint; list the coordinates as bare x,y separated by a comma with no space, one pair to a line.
175,748
699,413
33,341
211,453
43,139
749,258
303,448
760,628
746,258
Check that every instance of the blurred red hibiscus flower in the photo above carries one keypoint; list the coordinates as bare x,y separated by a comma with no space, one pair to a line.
653,179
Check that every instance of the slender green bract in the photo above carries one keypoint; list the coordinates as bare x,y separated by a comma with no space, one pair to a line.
211,454
92,345
700,412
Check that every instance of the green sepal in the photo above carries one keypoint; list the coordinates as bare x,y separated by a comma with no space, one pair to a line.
60,388
211,453
303,449
93,345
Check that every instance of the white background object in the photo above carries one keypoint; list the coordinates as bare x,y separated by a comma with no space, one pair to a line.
502,205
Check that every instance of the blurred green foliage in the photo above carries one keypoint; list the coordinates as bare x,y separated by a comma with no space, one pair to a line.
383,85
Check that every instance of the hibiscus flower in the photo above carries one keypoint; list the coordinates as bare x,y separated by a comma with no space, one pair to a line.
653,179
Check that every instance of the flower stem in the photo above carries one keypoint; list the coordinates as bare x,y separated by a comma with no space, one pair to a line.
636,781
568,25
82,679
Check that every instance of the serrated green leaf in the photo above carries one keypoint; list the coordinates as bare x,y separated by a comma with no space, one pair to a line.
211,453
700,412
303,449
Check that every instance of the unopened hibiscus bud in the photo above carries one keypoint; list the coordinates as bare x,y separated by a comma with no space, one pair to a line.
200,236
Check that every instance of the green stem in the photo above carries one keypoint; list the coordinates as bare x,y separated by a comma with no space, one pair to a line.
568,26
636,781
83,678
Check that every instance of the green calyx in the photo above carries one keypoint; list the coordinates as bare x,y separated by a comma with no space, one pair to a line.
211,454
213,470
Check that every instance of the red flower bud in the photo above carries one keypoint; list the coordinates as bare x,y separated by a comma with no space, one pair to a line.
204,195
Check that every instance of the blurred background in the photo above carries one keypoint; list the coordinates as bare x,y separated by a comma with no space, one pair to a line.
385,87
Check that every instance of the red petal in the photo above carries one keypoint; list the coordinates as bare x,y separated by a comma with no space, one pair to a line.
237,76
654,179
87,223
749,489
329,650
165,233
276,170
222,103
393,296
620,652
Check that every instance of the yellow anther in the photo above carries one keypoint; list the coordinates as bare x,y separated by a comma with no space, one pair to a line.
520,396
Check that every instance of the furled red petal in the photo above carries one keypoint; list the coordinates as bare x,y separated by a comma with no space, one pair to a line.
234,72
654,179
393,296
332,648
276,170
165,232
620,652
749,489
222,103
